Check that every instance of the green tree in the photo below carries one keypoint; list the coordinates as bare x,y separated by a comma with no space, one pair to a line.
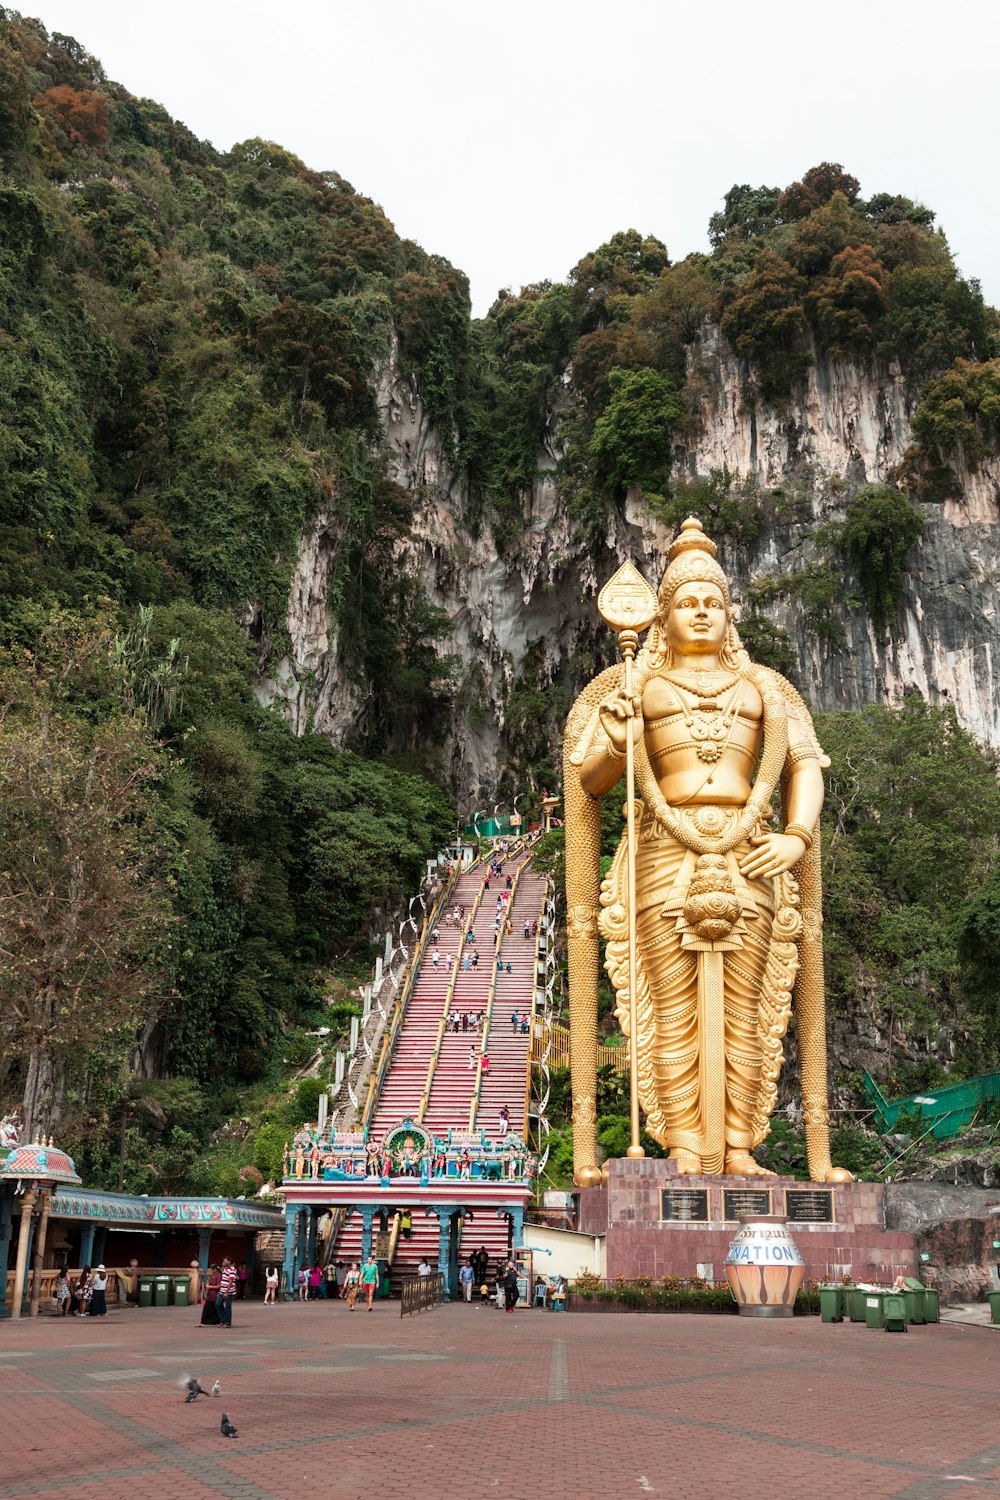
84,911
764,320
880,531
631,441
748,212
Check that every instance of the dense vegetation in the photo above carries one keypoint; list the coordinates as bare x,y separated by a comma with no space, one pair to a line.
186,347
190,345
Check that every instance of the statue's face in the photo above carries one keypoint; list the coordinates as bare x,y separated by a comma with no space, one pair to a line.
696,622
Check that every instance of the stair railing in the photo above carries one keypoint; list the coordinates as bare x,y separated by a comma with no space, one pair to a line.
391,1035
488,1022
531,1018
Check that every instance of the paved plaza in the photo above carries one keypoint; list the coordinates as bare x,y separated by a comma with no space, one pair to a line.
467,1401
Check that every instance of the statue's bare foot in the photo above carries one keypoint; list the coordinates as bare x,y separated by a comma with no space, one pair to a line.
688,1165
742,1164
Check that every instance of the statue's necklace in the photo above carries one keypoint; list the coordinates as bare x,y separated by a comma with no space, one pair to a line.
709,723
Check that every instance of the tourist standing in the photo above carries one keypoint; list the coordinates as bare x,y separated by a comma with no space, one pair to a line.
472,1057
85,1290
242,1277
370,1279
63,1294
98,1300
351,1283
315,1281
504,1120
270,1285
227,1290
210,1310
481,1263
341,1275
514,1019
466,1277
510,1287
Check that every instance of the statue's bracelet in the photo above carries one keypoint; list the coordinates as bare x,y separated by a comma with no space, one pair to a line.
797,831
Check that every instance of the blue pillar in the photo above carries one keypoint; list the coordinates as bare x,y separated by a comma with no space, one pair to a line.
100,1241
6,1218
87,1245
517,1216
204,1241
367,1214
291,1224
313,1227
444,1231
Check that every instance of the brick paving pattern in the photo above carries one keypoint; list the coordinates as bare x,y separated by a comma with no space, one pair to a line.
463,1402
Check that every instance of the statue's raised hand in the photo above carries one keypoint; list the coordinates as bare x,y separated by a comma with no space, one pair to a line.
618,711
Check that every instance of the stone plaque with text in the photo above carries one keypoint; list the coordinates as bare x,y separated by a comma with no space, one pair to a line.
684,1205
809,1205
738,1201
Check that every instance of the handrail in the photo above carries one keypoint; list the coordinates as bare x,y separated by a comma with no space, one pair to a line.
402,1000
531,1019
449,997
488,1020
397,1219
332,1235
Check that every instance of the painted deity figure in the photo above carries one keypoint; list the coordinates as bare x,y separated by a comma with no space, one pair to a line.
727,906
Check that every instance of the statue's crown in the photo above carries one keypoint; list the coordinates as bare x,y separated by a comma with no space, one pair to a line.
691,538
692,555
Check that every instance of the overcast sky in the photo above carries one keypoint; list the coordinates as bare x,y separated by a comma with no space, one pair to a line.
514,137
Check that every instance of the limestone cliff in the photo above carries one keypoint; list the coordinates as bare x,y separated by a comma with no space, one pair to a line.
847,425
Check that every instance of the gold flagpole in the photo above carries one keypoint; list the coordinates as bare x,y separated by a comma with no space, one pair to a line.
628,605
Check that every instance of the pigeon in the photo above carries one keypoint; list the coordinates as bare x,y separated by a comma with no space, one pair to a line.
194,1390
217,1389
226,1427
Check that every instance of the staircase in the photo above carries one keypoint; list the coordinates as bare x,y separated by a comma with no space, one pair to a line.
450,1100
507,1050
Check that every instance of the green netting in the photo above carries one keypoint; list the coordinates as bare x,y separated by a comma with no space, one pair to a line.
943,1111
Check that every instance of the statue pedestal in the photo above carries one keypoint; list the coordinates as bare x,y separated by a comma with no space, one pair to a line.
659,1223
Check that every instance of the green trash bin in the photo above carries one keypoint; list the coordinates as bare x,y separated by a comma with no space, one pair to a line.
145,1291
873,1309
914,1296
181,1286
829,1304
931,1299
894,1312
993,1298
856,1304
161,1295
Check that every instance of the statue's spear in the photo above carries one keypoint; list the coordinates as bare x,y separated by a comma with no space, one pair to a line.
628,605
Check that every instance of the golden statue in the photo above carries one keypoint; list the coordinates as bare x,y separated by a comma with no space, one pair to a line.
726,919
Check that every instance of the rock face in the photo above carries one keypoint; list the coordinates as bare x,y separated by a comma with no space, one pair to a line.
955,1227
848,425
